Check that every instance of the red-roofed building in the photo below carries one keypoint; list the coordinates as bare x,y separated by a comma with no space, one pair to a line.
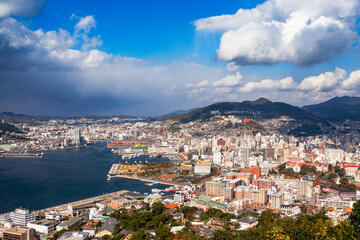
296,166
255,171
351,169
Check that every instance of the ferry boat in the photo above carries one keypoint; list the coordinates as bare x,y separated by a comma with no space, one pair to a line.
156,190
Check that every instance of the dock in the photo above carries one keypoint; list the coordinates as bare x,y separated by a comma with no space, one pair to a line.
114,169
148,180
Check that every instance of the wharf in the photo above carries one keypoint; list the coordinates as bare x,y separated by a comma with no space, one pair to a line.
148,180
113,170
83,202
20,156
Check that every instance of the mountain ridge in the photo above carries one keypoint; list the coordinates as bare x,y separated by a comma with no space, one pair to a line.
337,109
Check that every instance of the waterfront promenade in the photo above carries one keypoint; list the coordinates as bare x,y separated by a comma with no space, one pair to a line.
87,201
148,180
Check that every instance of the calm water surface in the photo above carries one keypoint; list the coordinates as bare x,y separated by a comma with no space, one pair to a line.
60,177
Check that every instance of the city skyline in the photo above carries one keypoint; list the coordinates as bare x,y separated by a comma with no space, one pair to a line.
69,58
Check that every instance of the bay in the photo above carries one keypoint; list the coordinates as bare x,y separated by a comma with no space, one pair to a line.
61,177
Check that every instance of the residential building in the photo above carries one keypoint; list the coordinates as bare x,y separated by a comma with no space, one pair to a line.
19,233
22,216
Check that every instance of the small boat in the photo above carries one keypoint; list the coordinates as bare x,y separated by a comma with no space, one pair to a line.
108,177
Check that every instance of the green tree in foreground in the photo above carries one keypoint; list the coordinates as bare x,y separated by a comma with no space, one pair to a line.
354,219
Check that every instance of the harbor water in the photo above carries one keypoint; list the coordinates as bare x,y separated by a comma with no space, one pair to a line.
63,176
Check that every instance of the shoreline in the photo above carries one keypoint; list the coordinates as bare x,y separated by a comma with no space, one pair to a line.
146,180
95,199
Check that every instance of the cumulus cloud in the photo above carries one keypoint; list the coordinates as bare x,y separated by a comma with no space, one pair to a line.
323,82
229,80
268,84
353,81
232,67
299,32
313,88
50,72
204,83
85,24
20,8
83,28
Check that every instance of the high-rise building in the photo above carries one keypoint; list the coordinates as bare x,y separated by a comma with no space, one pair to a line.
268,153
242,192
228,194
217,158
245,154
22,216
276,199
259,197
77,136
215,188
263,184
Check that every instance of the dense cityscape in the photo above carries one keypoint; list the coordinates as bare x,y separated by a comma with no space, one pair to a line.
225,174
179,120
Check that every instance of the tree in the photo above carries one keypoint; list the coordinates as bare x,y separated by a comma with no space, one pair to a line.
343,231
330,167
354,219
344,182
158,208
162,232
273,172
236,225
282,167
116,229
226,226
340,171
332,176
106,237
140,235
98,224
78,228
222,235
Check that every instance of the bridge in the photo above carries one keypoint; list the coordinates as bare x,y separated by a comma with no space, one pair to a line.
119,142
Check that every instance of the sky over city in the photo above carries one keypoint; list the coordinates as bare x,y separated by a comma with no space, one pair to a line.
79,57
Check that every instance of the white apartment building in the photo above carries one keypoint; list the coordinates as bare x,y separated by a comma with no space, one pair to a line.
22,216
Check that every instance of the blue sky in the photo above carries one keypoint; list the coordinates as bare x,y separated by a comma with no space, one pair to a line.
142,29
63,57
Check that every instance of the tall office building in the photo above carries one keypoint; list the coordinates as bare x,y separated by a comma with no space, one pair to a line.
245,154
268,153
77,136
22,216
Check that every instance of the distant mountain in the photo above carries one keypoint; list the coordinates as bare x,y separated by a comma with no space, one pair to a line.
303,123
174,114
5,127
337,109
259,109
19,118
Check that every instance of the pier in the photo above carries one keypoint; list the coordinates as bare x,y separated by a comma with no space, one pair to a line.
148,180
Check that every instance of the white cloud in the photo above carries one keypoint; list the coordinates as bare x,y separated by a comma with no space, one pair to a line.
268,84
56,62
232,67
353,81
86,24
300,32
311,89
51,40
229,81
21,8
323,82
202,84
